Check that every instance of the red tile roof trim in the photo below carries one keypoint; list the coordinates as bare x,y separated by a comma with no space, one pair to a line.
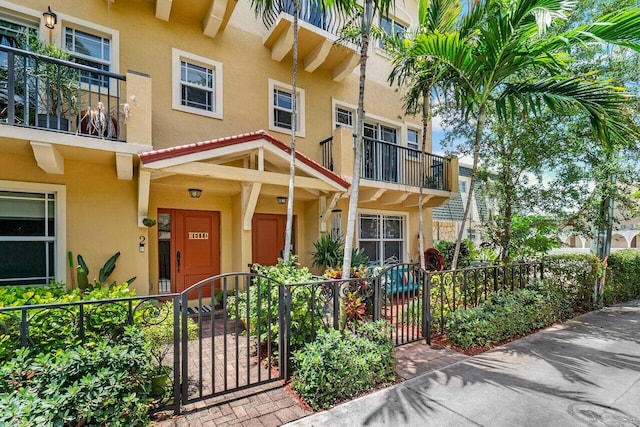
183,150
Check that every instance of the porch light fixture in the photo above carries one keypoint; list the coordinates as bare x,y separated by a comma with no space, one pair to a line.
195,193
282,200
50,18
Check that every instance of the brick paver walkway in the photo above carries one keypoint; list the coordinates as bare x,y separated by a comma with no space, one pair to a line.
273,406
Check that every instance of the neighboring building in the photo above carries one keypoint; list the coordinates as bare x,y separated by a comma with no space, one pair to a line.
625,235
162,120
447,219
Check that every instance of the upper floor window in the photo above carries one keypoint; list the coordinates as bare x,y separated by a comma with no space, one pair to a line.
412,143
380,132
463,186
91,50
392,27
197,84
344,117
281,108
16,34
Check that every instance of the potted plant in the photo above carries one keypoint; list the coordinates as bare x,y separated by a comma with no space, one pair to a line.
54,86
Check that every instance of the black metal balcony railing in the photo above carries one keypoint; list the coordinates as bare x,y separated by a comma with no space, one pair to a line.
40,92
388,162
310,12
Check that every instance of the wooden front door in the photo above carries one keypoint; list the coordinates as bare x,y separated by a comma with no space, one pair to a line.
267,238
195,248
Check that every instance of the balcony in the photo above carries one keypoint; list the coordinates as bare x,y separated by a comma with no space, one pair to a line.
391,173
318,46
39,92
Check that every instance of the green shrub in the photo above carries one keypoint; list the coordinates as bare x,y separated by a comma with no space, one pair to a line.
56,328
14,296
102,385
338,365
507,314
305,318
468,252
623,276
575,275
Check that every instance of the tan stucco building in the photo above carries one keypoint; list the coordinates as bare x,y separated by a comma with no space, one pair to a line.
179,112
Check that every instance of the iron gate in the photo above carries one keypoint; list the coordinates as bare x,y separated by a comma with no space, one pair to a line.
236,345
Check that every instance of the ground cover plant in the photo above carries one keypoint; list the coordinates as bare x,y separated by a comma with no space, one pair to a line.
507,314
340,364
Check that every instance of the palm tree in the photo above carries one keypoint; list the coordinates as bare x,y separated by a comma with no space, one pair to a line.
433,16
265,8
510,42
366,21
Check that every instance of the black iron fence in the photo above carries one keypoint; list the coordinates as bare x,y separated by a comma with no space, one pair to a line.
37,91
466,288
52,327
327,153
236,331
316,14
388,162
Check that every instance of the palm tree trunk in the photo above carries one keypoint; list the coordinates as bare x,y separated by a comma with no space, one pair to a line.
367,18
482,116
294,126
426,128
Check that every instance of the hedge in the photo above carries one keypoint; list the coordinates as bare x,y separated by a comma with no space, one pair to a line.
575,275
623,276
507,314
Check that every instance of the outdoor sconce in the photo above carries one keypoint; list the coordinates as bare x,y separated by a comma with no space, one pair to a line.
282,200
50,18
195,193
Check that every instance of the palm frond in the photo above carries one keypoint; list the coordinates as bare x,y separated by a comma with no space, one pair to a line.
605,104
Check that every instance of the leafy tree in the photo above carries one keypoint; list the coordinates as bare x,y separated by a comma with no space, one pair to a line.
511,44
529,235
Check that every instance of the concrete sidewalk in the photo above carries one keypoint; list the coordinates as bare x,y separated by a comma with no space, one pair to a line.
583,372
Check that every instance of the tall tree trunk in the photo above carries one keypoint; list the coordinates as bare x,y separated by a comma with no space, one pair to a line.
426,129
294,126
367,18
482,116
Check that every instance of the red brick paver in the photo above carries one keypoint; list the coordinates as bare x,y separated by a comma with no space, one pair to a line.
273,406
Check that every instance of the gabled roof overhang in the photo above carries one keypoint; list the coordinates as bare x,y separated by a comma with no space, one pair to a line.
213,159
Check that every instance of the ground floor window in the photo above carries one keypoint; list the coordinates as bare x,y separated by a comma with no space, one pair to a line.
382,237
28,238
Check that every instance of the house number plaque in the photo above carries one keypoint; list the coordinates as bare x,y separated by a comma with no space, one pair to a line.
198,235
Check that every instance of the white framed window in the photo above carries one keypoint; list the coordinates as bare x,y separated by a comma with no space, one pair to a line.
381,237
344,117
412,143
463,186
89,44
392,27
380,132
197,84
32,233
336,224
281,108
12,30
471,234
92,50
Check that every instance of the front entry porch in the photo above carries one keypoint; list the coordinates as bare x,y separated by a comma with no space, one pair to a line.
244,180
